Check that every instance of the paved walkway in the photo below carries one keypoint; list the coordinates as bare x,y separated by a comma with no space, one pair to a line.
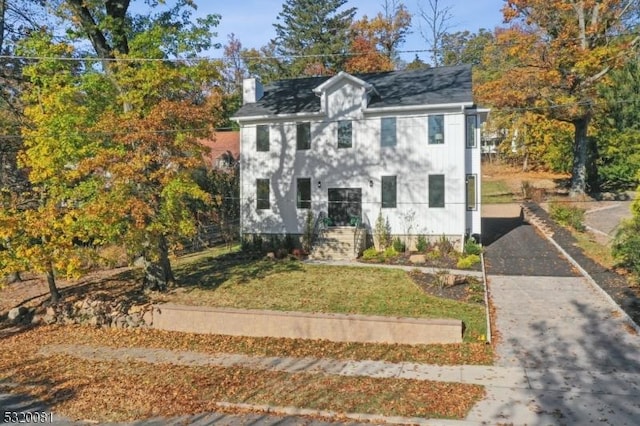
567,336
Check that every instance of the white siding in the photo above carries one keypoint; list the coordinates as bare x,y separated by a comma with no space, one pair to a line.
412,160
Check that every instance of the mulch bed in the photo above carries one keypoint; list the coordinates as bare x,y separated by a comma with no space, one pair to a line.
471,291
625,294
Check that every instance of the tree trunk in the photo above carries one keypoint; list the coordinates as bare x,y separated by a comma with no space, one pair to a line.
580,150
53,289
158,275
593,181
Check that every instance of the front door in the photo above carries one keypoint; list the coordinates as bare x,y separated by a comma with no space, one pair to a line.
345,204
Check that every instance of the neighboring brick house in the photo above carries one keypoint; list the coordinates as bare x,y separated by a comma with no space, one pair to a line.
403,143
224,150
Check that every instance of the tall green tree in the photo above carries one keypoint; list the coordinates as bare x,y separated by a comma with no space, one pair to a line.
312,36
618,129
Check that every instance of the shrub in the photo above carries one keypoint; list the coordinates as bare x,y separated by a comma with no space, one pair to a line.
472,247
626,245
390,253
382,231
370,253
466,262
567,215
421,243
398,245
434,254
444,245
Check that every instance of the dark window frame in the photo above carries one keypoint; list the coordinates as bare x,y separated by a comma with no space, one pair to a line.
263,145
263,203
303,203
471,133
390,137
345,133
390,200
472,205
435,123
437,198
303,136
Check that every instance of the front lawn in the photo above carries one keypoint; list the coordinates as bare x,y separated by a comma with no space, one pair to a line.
237,280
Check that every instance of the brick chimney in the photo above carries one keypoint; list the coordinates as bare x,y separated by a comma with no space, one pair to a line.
252,90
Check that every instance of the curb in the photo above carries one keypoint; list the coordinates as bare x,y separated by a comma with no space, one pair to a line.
486,297
539,223
332,415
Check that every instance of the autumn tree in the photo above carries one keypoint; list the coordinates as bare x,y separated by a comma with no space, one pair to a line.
312,36
552,59
375,42
110,151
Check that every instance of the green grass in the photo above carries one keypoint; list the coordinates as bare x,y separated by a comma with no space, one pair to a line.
496,192
239,281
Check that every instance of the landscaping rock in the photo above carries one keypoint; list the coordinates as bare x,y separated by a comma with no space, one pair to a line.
271,255
17,314
451,280
417,258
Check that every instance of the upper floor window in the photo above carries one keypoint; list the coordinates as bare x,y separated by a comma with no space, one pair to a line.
262,137
389,192
303,195
262,194
344,134
436,190
303,136
436,129
471,131
388,131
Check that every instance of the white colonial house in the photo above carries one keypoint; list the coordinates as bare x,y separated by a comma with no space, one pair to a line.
404,144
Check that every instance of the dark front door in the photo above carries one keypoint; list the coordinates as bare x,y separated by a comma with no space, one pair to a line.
345,204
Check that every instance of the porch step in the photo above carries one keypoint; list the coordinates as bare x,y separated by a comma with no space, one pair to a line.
335,244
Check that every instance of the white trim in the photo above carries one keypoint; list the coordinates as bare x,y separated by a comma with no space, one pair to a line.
340,76
417,108
278,117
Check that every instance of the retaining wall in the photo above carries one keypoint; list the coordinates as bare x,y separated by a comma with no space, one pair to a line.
300,325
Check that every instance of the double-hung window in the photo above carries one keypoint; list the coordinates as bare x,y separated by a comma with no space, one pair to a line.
303,193
388,131
389,192
436,191
345,134
262,194
471,131
303,136
436,129
262,138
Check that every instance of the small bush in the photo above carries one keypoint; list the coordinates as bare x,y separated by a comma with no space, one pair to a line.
422,244
444,245
472,247
434,255
390,253
370,254
568,215
398,245
467,262
307,234
382,232
626,245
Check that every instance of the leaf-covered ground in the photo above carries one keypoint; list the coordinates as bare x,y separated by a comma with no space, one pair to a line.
126,390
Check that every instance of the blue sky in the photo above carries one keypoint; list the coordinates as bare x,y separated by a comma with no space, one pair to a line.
252,20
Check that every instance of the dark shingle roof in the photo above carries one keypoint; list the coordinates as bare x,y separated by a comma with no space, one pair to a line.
395,88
